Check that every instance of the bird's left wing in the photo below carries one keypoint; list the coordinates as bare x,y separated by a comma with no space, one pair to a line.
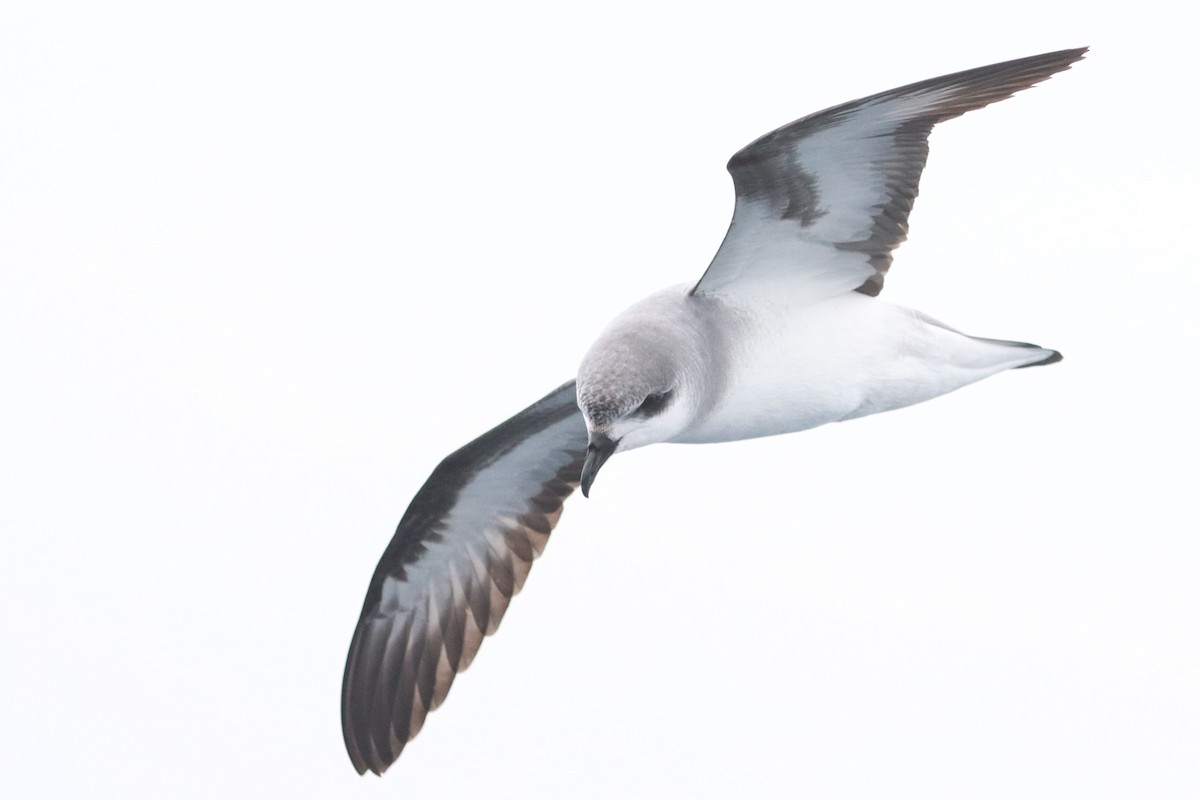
461,551
822,202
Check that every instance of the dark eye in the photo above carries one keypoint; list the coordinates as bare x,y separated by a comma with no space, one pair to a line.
654,404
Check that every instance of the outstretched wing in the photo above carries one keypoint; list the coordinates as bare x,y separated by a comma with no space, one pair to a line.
822,202
460,553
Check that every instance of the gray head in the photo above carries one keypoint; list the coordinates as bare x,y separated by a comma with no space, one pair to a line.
633,385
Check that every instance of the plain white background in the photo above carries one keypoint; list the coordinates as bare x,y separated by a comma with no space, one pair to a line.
263,264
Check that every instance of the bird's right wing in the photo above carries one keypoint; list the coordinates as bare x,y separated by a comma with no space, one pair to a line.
822,202
462,550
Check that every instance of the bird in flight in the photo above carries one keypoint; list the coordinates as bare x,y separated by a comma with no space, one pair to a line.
783,332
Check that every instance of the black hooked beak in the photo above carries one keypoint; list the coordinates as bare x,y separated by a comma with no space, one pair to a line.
600,447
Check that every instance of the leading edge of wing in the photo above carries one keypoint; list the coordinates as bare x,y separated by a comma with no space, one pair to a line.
461,551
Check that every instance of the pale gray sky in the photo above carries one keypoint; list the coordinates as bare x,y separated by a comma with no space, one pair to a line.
262,265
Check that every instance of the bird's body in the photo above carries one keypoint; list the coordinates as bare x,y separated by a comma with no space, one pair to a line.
774,365
783,332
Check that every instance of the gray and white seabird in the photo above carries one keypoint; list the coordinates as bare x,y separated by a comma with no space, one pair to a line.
782,333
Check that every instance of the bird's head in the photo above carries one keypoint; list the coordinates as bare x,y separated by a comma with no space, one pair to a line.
634,387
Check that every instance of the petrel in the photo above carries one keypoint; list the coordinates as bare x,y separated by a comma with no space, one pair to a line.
783,332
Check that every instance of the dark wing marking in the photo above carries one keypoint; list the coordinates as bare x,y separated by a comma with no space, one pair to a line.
461,551
823,201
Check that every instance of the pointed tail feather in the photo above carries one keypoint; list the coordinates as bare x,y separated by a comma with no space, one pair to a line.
1039,356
